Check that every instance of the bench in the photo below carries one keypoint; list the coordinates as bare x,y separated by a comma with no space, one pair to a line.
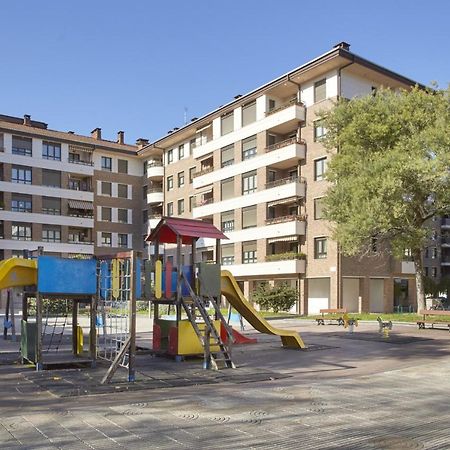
432,316
339,319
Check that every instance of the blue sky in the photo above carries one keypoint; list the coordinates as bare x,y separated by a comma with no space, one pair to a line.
136,65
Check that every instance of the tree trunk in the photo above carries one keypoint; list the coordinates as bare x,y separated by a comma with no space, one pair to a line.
419,280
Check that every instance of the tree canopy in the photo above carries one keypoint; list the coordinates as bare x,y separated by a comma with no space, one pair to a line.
390,173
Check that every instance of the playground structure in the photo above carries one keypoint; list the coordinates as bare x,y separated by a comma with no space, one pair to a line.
194,289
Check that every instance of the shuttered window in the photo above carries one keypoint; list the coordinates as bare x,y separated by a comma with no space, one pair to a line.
227,221
227,254
249,217
227,123
249,113
51,178
320,90
249,254
227,155
249,147
227,188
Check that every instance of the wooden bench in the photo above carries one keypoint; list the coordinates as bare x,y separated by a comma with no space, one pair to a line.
339,320
431,316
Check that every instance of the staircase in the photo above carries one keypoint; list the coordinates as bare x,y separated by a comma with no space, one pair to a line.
209,336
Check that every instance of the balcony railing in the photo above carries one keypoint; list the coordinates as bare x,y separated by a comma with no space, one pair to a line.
81,242
203,201
283,219
283,181
155,217
204,171
152,190
81,215
154,163
284,143
78,187
81,162
294,101
286,256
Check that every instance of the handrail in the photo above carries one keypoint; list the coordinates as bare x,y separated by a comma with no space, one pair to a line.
208,169
283,181
289,218
288,104
285,143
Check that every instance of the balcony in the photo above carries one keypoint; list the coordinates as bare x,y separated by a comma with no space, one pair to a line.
284,219
155,195
281,156
155,169
83,162
275,192
271,268
153,221
283,106
287,256
203,171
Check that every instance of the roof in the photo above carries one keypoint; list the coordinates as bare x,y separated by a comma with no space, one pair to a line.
169,228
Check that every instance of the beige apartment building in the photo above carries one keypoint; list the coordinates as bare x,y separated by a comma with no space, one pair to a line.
255,168
71,194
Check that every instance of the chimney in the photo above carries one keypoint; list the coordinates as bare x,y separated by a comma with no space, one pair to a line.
27,120
121,137
71,132
96,133
141,143
343,45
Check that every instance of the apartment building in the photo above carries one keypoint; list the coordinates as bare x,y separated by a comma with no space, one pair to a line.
255,168
71,194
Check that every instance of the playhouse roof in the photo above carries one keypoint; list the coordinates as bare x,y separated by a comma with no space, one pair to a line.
169,228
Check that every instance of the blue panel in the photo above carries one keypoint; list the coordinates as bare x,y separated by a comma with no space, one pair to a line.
185,290
138,278
105,279
67,276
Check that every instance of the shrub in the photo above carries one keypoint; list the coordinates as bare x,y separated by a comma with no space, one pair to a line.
278,298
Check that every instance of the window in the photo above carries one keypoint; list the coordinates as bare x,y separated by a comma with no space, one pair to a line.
434,272
249,182
51,233
249,252
192,144
50,150
426,271
21,231
21,203
106,188
191,203
249,113
271,104
227,123
145,216
21,174
170,209
170,156
122,190
106,163
51,178
249,147
227,221
227,189
170,183
320,166
122,215
227,155
106,214
144,191
180,207
318,208
191,174
21,146
180,179
122,166
122,240
319,129
320,248
51,205
433,253
181,151
426,252
249,217
271,139
320,90
106,240
227,254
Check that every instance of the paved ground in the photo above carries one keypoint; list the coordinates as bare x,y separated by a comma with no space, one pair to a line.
351,392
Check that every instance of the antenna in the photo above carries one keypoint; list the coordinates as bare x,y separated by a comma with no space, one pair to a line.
185,115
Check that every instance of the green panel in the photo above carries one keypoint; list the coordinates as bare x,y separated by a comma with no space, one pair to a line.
165,325
210,279
28,340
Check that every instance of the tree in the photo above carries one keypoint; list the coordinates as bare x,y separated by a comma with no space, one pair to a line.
390,174
277,298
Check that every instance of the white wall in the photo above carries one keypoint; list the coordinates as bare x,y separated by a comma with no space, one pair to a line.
354,86
376,294
307,89
318,294
350,294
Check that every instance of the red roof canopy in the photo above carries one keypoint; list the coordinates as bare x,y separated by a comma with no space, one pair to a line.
169,228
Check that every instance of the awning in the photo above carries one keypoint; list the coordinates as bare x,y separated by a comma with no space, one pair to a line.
80,204
282,239
283,201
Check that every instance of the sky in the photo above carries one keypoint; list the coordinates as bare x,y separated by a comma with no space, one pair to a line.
143,66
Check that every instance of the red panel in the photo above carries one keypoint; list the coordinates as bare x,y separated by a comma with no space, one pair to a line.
156,337
168,283
238,338
173,341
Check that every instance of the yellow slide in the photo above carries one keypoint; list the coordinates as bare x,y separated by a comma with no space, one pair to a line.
17,272
230,289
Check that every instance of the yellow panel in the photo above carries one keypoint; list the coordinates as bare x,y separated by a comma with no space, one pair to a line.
17,272
115,275
158,279
188,342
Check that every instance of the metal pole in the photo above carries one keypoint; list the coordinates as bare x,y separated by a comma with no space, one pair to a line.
75,327
39,365
132,306
92,331
179,269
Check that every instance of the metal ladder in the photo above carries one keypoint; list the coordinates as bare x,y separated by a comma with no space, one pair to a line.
209,336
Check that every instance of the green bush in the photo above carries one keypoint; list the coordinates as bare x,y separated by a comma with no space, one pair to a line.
278,298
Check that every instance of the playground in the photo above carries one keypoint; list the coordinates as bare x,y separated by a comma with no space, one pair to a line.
86,371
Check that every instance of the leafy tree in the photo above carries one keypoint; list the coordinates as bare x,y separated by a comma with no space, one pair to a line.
277,298
390,174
